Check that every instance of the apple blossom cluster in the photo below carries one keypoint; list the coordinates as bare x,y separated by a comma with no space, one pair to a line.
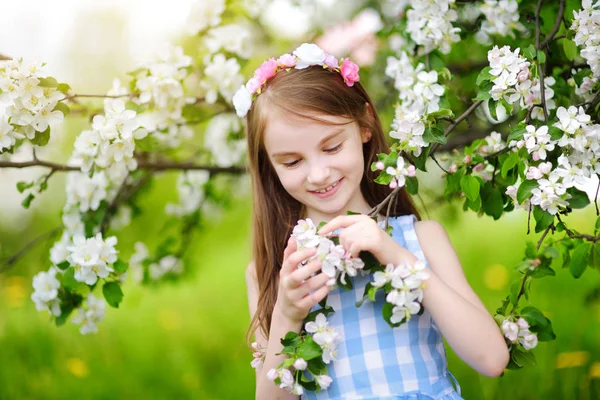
399,172
259,355
513,81
91,259
89,316
110,144
190,186
233,38
580,143
429,24
224,138
308,54
29,101
501,18
204,14
161,96
586,89
221,76
45,294
157,269
419,94
336,262
328,339
406,292
518,332
586,25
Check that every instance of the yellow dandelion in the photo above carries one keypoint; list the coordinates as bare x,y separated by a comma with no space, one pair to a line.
495,277
77,367
572,359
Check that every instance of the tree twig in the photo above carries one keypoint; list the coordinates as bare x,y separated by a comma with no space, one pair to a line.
456,122
540,67
557,21
7,262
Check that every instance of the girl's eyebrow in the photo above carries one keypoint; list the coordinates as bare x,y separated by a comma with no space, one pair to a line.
288,153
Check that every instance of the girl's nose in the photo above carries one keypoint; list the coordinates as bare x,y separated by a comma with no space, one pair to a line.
318,174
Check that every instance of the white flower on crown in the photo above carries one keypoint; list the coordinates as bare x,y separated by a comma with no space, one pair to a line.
309,54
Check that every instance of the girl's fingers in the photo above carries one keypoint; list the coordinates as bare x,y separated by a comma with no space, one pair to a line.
290,248
312,284
341,221
307,271
289,264
310,300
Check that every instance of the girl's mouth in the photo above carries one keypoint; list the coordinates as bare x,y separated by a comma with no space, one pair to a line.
328,191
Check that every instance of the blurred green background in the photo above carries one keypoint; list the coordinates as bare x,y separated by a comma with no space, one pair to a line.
185,339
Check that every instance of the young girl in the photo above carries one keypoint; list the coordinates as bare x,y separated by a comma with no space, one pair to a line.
313,134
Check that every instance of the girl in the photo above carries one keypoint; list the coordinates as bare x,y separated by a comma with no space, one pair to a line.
313,133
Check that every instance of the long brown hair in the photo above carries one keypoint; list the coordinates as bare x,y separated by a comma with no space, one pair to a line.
299,92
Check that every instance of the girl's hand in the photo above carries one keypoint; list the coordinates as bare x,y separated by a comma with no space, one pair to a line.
361,233
294,299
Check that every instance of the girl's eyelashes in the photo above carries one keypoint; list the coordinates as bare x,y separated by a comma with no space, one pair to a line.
332,150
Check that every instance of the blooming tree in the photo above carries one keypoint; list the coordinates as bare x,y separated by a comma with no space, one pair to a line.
532,142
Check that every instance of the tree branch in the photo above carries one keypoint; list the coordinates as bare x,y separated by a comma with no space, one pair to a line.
538,48
142,164
557,21
7,262
456,122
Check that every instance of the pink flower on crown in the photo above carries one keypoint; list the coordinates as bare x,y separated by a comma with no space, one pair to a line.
331,62
267,70
253,85
349,72
287,61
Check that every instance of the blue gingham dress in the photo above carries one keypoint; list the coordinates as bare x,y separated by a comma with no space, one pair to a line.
375,361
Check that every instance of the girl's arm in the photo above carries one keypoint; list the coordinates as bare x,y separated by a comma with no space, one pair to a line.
462,318
266,389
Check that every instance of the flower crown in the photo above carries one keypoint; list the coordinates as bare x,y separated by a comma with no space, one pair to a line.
306,55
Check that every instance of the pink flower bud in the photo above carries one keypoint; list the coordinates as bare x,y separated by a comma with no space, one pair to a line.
272,374
380,165
523,324
467,159
453,168
520,144
411,171
394,184
535,156
478,167
484,149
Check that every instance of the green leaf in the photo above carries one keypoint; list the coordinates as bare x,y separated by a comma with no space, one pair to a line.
534,317
484,91
120,266
578,198
112,293
525,190
41,138
570,49
48,82
63,265
317,366
492,202
541,56
551,252
515,287
308,349
509,163
63,87
63,108
69,281
543,219
542,271
516,133
579,259
555,133
470,186
22,185
27,201
484,75
290,339
412,185
530,52
444,112
522,357
434,134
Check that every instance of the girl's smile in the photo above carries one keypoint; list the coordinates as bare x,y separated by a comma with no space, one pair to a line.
329,191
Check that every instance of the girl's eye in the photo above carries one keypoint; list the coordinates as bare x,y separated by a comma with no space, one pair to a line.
334,149
290,164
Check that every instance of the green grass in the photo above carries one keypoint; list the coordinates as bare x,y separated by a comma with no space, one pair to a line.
185,340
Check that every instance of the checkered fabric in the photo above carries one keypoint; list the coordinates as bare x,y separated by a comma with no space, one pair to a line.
377,362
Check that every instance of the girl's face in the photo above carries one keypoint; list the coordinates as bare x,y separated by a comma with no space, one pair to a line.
319,165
